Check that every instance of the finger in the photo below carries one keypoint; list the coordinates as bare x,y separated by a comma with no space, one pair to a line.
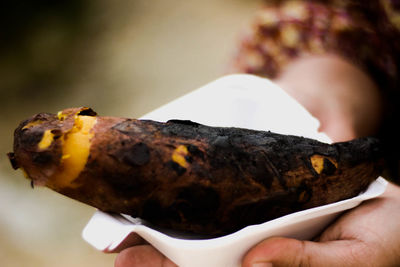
131,240
292,252
144,255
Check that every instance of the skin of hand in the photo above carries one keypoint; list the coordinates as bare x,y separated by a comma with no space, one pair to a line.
347,104
142,255
365,236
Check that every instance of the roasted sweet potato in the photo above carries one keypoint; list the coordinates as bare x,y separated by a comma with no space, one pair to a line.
185,176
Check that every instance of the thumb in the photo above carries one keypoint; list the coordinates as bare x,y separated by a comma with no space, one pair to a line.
291,252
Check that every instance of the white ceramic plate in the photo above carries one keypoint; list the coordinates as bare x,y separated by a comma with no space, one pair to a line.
241,101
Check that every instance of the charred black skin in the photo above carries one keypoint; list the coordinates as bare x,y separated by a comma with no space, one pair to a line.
226,178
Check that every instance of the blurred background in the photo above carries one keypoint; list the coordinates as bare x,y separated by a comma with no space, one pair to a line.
122,58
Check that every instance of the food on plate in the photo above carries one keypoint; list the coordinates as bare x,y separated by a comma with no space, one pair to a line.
185,176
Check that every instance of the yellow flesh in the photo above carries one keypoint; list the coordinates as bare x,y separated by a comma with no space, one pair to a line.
317,161
46,141
76,149
179,156
61,116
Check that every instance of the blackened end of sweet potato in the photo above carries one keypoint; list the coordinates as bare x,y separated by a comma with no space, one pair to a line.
87,112
13,160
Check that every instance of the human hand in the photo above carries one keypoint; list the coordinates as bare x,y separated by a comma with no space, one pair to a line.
368,235
142,255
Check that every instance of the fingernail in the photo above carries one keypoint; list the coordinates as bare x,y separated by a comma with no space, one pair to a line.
262,264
